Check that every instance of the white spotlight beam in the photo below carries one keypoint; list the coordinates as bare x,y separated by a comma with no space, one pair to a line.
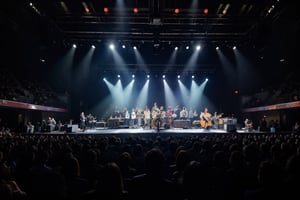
119,94
192,61
169,96
127,93
185,93
196,94
143,95
140,60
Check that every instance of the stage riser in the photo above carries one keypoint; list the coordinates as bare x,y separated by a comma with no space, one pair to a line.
182,124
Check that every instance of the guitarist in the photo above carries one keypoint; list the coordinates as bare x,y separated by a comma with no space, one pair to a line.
205,119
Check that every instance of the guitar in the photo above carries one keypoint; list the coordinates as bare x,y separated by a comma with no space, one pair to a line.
207,119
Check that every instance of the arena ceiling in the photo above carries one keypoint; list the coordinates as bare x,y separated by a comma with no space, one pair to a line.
157,21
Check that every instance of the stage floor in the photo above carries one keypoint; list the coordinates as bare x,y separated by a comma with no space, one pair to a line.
154,131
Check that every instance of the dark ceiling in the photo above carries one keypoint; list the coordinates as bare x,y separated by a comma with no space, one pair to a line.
267,31
156,22
262,26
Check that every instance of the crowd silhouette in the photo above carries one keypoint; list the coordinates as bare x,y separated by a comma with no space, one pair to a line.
206,166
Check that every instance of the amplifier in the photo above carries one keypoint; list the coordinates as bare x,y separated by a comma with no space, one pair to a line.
113,123
230,127
182,124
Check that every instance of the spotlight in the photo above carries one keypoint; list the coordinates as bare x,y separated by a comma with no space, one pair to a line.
178,76
119,76
135,10
193,76
104,79
123,46
176,11
93,46
105,9
187,47
198,47
31,4
134,47
205,11
133,75
217,48
74,46
111,46
176,48
206,79
234,47
148,76
164,76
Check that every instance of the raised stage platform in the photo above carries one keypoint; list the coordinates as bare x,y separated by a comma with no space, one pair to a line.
137,131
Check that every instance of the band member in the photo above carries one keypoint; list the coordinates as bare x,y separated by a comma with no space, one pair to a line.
183,113
147,117
116,113
162,112
176,113
205,119
154,113
248,124
195,115
155,107
216,120
91,120
169,112
139,116
127,117
82,121
133,117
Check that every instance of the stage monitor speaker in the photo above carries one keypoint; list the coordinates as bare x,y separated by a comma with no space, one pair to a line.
113,123
230,128
72,128
182,124
167,126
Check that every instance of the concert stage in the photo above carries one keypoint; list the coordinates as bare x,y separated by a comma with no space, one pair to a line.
107,131
149,132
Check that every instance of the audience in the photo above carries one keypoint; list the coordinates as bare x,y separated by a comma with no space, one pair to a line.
28,91
206,166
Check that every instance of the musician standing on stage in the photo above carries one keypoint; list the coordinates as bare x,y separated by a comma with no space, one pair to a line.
176,112
205,119
162,112
183,113
147,117
133,117
82,121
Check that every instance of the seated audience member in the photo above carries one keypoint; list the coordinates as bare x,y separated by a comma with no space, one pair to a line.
76,186
196,181
296,127
152,184
110,184
271,180
9,188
